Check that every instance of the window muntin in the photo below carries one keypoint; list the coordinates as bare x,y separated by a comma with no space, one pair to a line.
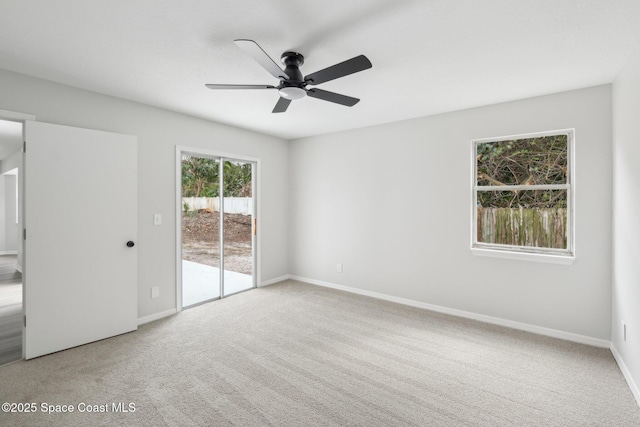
522,193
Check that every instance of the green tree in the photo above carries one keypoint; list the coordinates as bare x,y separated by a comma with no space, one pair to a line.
199,177
237,179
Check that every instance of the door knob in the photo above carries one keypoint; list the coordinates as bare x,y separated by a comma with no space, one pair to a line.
130,244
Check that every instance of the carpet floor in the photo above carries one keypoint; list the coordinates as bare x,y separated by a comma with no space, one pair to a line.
293,354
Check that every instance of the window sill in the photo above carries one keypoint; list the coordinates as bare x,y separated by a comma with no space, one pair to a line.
524,256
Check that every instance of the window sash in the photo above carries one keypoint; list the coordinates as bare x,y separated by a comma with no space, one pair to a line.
526,249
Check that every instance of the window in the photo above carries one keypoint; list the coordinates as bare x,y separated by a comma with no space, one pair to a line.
523,195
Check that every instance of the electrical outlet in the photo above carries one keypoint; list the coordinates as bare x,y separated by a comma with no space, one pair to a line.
155,292
339,268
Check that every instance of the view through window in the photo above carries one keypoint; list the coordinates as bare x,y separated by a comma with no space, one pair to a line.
522,193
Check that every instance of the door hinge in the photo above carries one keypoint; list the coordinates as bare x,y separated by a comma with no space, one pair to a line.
25,321
255,226
24,234
24,146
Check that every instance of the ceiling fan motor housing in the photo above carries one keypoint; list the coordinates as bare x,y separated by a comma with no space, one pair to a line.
294,87
292,62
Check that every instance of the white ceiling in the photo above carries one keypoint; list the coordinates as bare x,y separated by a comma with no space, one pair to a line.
429,56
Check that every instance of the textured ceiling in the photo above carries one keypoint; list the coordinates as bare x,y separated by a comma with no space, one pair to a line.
429,56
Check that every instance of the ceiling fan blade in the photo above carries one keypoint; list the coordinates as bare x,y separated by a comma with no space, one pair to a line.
281,105
333,97
350,66
254,50
214,86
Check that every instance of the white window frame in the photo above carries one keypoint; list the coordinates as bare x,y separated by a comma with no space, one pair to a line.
549,255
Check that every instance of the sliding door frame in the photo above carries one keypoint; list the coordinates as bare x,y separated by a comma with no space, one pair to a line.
195,151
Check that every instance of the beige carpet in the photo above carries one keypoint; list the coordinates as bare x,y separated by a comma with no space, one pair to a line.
298,355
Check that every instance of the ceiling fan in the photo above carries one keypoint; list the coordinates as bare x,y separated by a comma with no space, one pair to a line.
292,84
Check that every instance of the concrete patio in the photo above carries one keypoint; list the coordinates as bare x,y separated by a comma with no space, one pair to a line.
202,283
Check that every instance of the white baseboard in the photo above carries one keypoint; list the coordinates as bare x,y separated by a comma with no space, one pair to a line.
274,281
8,252
568,336
625,372
156,316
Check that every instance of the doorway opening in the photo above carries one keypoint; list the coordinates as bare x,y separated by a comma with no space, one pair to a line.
11,291
217,225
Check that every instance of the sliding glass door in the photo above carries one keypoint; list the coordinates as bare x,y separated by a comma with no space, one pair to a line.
218,227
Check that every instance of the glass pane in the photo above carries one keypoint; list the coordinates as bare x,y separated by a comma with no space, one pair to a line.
238,219
530,161
523,199
200,230
523,218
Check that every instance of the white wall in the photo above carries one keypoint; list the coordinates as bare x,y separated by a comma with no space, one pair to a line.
3,215
14,161
10,224
158,132
626,218
345,189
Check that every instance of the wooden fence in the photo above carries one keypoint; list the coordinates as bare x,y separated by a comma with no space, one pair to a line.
542,228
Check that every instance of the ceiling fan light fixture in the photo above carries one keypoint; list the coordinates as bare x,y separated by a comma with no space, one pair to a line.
292,92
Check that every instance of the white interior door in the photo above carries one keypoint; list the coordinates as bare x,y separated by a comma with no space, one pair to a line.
80,211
